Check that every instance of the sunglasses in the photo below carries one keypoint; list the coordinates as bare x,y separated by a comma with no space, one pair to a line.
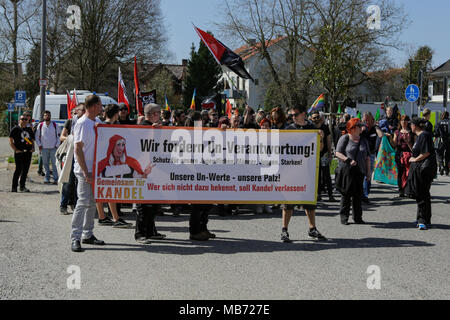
23,119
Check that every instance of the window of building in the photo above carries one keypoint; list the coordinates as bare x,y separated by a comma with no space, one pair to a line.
256,82
438,88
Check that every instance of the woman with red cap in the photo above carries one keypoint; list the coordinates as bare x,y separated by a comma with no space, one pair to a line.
353,152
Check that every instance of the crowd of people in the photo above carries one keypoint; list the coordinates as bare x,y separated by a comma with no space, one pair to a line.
420,150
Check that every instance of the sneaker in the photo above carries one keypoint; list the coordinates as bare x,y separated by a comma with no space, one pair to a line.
24,190
13,189
157,236
199,236
422,226
93,240
360,222
76,246
285,237
55,182
365,200
315,234
122,224
63,211
143,240
105,222
47,182
41,173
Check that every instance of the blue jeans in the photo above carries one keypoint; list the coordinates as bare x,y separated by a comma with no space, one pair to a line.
47,156
368,184
84,213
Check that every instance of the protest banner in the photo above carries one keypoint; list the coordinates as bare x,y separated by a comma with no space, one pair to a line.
141,164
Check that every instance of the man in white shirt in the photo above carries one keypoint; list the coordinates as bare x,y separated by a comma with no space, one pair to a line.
47,139
84,140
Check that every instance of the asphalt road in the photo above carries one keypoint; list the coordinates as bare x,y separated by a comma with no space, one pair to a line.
246,261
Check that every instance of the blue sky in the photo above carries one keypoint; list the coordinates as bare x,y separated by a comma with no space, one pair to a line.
430,25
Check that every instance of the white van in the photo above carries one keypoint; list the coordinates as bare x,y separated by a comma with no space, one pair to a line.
57,105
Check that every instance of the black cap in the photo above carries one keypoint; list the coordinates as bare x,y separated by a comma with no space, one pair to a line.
123,106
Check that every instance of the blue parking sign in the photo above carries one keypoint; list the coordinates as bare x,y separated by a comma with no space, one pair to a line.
20,98
10,107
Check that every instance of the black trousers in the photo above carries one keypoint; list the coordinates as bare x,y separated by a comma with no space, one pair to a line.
423,200
23,161
353,199
198,221
145,220
325,180
443,155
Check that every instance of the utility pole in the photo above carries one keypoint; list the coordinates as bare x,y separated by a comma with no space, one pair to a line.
43,57
445,92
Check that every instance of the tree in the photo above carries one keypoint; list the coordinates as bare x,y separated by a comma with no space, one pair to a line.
346,49
31,82
334,32
112,33
16,14
421,60
203,74
268,22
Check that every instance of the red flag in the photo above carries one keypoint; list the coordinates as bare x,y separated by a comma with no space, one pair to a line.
229,109
122,96
224,55
137,91
69,105
74,99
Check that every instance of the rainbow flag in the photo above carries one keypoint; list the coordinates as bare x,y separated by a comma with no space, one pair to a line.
318,104
193,100
167,104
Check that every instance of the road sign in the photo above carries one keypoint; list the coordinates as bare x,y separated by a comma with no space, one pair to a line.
20,98
412,93
10,107
43,83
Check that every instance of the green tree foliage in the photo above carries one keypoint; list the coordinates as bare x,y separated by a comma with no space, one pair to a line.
421,60
31,83
203,74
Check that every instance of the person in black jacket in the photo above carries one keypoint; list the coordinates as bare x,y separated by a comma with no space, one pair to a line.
353,151
21,140
442,133
146,213
422,172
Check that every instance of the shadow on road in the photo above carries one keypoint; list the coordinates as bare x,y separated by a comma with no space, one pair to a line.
234,245
404,225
